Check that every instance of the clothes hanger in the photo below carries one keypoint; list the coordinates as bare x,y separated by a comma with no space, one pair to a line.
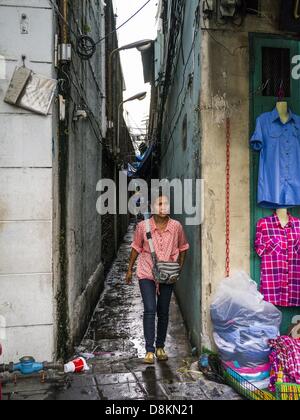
281,93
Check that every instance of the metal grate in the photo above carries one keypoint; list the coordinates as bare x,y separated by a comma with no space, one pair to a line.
245,388
276,69
288,392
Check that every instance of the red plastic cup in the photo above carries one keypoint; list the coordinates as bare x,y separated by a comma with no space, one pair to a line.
76,366
79,364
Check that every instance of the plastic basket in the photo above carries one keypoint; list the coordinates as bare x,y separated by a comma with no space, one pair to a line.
245,388
287,392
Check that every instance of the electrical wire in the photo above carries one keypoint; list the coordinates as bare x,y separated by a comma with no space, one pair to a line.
90,113
261,14
91,123
179,18
93,120
171,138
98,88
181,49
183,77
170,123
124,23
176,23
89,62
86,46
240,13
218,42
84,100
57,11
172,131
71,8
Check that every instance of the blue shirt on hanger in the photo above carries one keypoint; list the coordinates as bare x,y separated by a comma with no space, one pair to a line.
279,168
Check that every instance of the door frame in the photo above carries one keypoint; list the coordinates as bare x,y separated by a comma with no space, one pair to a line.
288,313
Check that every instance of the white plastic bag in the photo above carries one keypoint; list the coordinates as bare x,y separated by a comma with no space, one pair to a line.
243,321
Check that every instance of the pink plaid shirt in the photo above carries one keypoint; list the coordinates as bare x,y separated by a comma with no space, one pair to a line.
280,251
285,356
167,244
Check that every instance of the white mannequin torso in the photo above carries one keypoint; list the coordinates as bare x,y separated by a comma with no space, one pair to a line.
282,108
283,216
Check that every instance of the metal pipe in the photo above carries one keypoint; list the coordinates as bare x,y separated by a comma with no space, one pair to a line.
118,136
65,15
116,210
140,45
48,376
28,366
140,97
111,97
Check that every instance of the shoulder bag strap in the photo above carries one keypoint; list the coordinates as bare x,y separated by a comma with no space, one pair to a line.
153,253
150,240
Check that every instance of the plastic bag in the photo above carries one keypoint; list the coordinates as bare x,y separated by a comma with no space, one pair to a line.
243,322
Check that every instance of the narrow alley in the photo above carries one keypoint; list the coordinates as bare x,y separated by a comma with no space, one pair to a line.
147,147
115,336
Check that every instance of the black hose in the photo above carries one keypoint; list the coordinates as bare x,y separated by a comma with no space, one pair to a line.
86,47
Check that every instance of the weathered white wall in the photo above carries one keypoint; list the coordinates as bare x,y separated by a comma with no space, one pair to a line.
225,92
26,280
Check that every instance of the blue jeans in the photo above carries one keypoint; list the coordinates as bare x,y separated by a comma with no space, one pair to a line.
153,305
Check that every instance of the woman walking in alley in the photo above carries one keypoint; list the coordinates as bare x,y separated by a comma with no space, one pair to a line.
170,246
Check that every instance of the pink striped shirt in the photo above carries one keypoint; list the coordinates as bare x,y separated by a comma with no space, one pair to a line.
168,245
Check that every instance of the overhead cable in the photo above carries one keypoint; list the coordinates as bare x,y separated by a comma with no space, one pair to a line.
85,45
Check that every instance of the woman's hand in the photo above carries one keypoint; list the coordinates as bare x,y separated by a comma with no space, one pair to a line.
129,277
133,256
181,259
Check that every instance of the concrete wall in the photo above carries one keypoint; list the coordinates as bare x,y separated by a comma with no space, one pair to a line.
83,162
80,160
26,273
114,96
183,162
51,268
225,92
214,86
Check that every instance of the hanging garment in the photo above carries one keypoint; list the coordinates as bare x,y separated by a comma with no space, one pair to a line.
285,361
279,249
279,169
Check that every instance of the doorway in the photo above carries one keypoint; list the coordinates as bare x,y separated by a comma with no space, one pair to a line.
270,72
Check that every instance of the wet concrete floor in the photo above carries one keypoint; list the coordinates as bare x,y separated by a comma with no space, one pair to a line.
115,335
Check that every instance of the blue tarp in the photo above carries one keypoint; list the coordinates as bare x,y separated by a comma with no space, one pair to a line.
139,168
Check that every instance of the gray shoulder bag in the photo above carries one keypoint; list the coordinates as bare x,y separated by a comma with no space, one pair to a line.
163,272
